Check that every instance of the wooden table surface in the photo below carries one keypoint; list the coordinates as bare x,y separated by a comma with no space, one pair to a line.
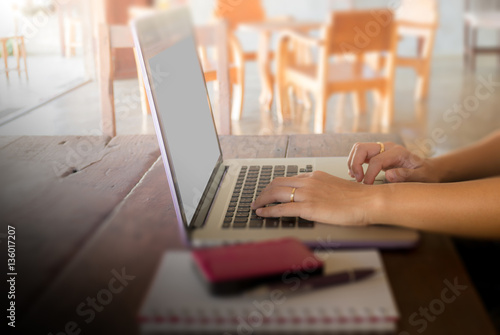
90,212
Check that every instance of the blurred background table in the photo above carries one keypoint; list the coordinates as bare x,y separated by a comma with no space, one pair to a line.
265,30
85,208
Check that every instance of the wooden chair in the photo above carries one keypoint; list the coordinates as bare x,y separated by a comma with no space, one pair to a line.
476,19
119,36
18,47
340,37
234,14
19,51
70,24
419,19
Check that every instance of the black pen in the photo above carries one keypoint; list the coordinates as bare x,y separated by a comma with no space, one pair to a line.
314,282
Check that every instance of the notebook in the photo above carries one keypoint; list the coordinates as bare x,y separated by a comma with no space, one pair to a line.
177,302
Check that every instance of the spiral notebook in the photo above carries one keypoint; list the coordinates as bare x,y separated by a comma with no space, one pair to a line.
177,302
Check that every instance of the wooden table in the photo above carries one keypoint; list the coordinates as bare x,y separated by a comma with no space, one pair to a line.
265,30
88,210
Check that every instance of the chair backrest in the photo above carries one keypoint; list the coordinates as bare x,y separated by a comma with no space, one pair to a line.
360,31
239,11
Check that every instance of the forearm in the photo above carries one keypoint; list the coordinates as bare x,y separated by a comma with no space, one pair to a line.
480,160
469,208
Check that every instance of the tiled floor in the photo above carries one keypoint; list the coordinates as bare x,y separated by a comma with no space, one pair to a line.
49,75
443,127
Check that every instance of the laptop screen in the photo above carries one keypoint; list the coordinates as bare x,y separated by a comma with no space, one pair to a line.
182,106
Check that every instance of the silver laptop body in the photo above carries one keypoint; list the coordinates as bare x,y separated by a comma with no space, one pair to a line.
202,183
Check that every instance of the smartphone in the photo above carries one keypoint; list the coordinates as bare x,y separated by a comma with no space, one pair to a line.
232,269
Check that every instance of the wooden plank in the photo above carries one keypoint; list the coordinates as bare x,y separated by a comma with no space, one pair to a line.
418,279
253,146
132,238
332,144
58,190
7,140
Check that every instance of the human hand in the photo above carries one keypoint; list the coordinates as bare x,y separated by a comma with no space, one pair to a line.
399,164
318,197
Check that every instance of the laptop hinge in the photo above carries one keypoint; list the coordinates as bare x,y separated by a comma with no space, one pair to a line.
208,197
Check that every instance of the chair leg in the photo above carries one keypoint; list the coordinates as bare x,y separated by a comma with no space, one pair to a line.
358,108
386,113
377,112
359,102
15,47
422,91
466,44
5,56
473,49
320,114
23,54
237,99
340,111
282,102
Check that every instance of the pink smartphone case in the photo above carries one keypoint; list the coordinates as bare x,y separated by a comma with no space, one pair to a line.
235,268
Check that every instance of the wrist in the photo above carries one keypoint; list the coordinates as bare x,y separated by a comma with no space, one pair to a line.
377,208
437,171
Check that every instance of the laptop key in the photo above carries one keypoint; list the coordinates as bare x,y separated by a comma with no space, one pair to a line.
288,222
272,222
239,224
256,223
303,223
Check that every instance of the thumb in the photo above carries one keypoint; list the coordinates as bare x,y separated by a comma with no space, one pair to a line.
404,175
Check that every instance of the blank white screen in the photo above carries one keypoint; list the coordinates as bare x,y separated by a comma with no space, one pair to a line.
185,119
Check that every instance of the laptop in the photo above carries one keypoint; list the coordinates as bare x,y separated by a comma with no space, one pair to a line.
212,195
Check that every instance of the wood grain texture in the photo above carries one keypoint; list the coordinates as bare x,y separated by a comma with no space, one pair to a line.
58,190
134,237
253,146
6,140
131,238
332,144
418,278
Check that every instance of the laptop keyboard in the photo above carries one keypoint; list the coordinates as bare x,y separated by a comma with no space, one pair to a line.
251,181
